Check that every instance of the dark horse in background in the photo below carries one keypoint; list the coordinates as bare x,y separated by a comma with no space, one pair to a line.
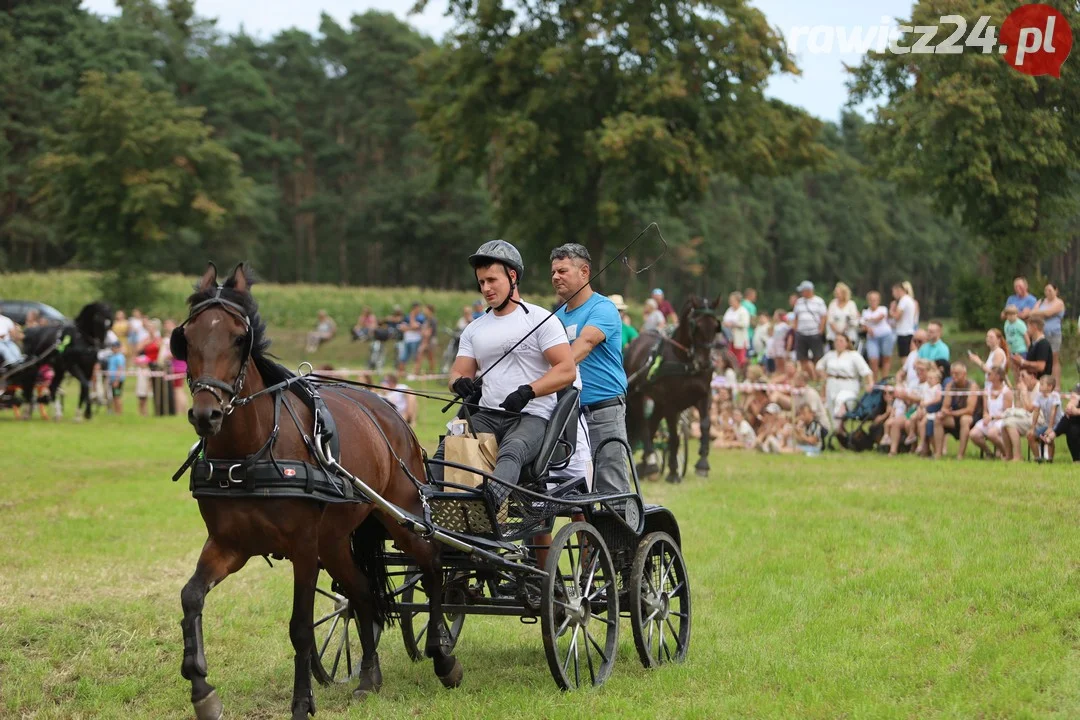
682,380
238,413
70,348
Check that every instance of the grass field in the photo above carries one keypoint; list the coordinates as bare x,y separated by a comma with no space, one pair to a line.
844,586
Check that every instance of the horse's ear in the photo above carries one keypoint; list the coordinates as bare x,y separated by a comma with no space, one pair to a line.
238,280
719,301
209,278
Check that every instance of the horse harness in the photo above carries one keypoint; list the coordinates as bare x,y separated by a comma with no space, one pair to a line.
656,366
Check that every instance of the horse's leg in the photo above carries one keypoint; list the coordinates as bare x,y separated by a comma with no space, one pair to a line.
701,469
649,465
426,554
673,447
336,555
54,389
305,561
215,564
84,390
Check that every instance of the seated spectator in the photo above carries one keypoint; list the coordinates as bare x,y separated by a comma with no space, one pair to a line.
365,325
738,435
934,348
404,403
1040,356
959,412
808,433
754,400
907,377
997,398
1069,425
722,429
775,433
1016,422
803,394
654,320
929,405
901,427
1044,416
995,341
325,328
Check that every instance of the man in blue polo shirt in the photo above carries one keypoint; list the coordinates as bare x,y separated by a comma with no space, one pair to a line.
594,328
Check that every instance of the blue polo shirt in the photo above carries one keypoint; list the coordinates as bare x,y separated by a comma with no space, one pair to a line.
602,375
934,351
1025,303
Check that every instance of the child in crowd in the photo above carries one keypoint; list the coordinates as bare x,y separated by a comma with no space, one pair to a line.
761,340
744,432
774,435
777,351
116,365
1044,416
1015,331
808,433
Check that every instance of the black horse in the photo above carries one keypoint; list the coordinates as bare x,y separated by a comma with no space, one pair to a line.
70,348
680,380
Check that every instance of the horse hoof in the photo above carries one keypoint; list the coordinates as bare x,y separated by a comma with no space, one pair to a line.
648,469
701,472
370,683
452,679
209,708
674,479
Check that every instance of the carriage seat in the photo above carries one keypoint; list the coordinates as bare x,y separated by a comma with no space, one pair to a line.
561,426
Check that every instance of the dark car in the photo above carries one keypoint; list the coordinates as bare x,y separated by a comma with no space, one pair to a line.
17,310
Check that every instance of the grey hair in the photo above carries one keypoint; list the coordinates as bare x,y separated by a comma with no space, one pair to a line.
572,251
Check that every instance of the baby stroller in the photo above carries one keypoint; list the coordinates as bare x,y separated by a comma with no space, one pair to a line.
856,430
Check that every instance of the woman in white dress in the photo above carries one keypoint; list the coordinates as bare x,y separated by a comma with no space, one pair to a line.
996,401
845,372
995,340
842,317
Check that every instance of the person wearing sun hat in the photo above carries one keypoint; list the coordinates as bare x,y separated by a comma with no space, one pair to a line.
629,334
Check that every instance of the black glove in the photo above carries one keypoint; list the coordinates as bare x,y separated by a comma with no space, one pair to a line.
518,399
464,387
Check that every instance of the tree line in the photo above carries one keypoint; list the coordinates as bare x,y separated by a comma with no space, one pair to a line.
369,154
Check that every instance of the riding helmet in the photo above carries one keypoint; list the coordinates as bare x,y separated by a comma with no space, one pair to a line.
499,251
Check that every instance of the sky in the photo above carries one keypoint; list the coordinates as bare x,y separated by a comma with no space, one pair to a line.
823,35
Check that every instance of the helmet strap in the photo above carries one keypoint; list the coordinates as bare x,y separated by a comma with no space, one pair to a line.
510,295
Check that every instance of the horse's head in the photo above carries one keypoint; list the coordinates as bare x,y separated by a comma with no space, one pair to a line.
94,321
218,339
701,319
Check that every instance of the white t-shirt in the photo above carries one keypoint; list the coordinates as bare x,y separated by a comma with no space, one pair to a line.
399,400
877,321
6,326
847,366
746,434
1047,403
846,317
808,314
488,337
778,346
740,336
905,324
911,378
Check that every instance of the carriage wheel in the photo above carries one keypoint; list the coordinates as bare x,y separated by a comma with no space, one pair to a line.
414,624
336,656
660,601
579,608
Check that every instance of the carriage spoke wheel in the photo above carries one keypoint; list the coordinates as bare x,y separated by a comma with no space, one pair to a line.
660,601
414,623
579,608
337,638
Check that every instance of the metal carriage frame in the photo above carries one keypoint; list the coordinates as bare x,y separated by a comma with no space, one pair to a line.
614,558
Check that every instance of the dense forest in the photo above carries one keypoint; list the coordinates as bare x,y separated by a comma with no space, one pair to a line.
153,142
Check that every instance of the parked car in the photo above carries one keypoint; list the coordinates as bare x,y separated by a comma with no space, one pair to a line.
18,309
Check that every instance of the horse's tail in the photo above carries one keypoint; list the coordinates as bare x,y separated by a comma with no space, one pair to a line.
369,554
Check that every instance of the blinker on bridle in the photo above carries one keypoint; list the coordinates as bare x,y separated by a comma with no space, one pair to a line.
206,383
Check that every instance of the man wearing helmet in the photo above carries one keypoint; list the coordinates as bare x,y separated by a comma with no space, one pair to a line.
517,394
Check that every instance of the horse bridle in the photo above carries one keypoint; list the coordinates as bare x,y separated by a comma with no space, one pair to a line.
212,385
695,313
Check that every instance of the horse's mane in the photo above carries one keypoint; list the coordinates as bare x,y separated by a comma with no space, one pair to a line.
271,371
84,321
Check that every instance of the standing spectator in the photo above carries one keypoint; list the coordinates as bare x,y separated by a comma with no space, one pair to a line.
907,373
996,400
325,327
629,334
478,309
911,294
737,321
959,411
789,316
760,342
116,364
842,369
934,348
176,367
411,336
136,333
365,325
1015,331
903,311
1021,299
666,308
1052,310
404,403
810,313
995,340
120,327
465,319
1040,357
749,301
843,316
880,337
654,319
778,352
429,339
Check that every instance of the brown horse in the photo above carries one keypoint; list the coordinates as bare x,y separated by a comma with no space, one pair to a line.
224,342
682,380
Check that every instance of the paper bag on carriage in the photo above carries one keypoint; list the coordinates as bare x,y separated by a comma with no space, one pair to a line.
476,450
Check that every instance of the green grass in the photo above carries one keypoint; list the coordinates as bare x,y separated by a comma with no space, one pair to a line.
845,586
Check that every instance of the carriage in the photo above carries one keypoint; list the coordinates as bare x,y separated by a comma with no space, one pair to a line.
612,557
